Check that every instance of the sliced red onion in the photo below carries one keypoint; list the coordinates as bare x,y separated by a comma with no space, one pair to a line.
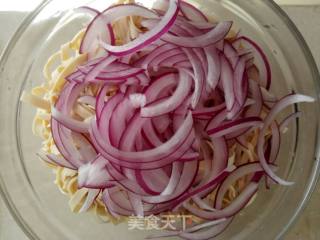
161,123
158,153
183,64
219,164
177,155
255,91
214,67
78,145
238,173
138,100
100,101
212,37
112,207
169,105
284,124
69,154
212,184
118,122
121,200
220,45
237,205
94,174
155,140
130,82
220,158
240,98
149,37
231,54
90,198
239,79
88,100
96,30
174,179
75,77
235,111
154,180
163,56
187,177
145,60
177,202
151,135
147,186
124,182
115,71
97,69
56,160
90,41
150,23
161,5
199,77
75,125
193,229
141,142
192,13
181,87
267,96
275,142
205,225
178,61
130,133
106,114
283,103
260,59
136,203
202,203
61,135
209,111
227,80
209,233
161,85
143,79
87,10
207,26
217,120
234,126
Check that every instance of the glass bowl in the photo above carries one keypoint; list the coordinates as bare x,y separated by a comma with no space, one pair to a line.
27,186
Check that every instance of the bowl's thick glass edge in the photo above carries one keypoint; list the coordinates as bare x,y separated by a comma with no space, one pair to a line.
311,61
3,59
281,13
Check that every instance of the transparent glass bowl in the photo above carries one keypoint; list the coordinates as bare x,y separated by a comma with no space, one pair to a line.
27,186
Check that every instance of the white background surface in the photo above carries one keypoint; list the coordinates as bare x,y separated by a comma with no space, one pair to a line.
298,2
307,19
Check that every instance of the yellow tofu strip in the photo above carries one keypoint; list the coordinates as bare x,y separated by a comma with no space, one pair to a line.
35,101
